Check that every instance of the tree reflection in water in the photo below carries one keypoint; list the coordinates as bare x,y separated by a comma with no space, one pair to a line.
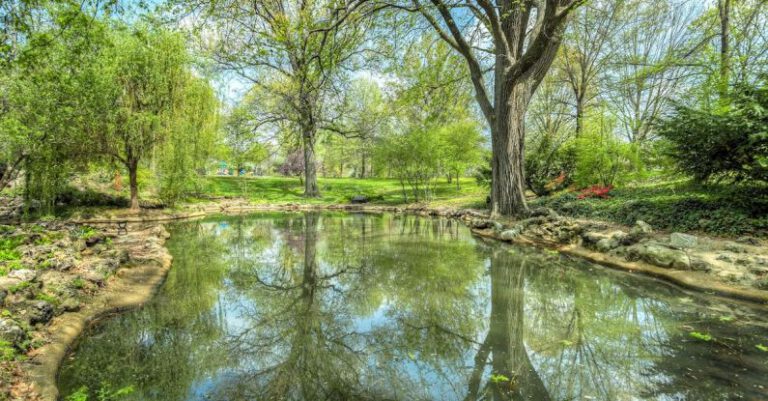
369,307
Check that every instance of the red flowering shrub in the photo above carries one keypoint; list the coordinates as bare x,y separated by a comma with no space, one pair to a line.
595,191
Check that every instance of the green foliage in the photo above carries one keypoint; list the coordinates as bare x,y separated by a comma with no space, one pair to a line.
601,158
105,393
728,141
85,232
8,247
7,351
718,209
499,378
761,347
19,287
47,298
77,283
700,336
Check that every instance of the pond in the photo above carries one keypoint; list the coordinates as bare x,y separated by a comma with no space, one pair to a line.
324,306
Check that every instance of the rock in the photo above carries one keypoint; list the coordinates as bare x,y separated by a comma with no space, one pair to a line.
69,305
3,294
680,240
700,265
6,283
761,284
622,238
509,235
606,244
79,245
11,332
39,312
591,237
641,228
359,199
23,274
63,263
724,258
542,212
748,241
660,255
735,248
481,224
94,239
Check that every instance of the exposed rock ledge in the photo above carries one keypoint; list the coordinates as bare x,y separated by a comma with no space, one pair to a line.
87,276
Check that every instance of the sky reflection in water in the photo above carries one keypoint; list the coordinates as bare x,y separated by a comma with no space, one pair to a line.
309,306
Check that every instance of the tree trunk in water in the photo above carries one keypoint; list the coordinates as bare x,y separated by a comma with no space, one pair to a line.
508,138
505,336
133,167
311,189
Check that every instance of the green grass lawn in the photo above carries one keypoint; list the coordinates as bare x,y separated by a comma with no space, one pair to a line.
281,190
721,209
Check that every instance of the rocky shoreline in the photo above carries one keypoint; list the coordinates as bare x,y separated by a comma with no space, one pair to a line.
62,276
58,278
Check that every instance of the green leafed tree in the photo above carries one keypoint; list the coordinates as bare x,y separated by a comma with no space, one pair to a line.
293,51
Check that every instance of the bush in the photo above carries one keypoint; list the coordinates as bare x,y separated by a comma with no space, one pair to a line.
726,142
603,159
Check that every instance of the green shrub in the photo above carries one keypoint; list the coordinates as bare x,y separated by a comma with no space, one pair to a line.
603,159
725,142
7,351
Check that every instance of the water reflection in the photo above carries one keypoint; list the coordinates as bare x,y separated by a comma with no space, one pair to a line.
367,307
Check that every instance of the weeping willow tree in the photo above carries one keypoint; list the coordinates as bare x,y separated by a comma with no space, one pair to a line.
147,75
190,144
86,91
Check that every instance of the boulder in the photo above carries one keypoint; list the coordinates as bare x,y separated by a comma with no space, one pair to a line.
39,312
591,237
660,255
680,240
11,332
542,212
606,244
6,283
509,235
641,228
69,305
62,263
22,274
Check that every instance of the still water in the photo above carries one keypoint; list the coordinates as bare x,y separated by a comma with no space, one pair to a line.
309,306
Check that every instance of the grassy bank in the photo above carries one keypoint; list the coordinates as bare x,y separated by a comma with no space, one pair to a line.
281,190
727,210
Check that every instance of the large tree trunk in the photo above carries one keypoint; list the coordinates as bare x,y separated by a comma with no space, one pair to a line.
508,139
311,189
133,169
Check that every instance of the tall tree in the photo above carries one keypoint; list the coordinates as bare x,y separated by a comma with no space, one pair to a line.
293,50
146,77
524,37
584,54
